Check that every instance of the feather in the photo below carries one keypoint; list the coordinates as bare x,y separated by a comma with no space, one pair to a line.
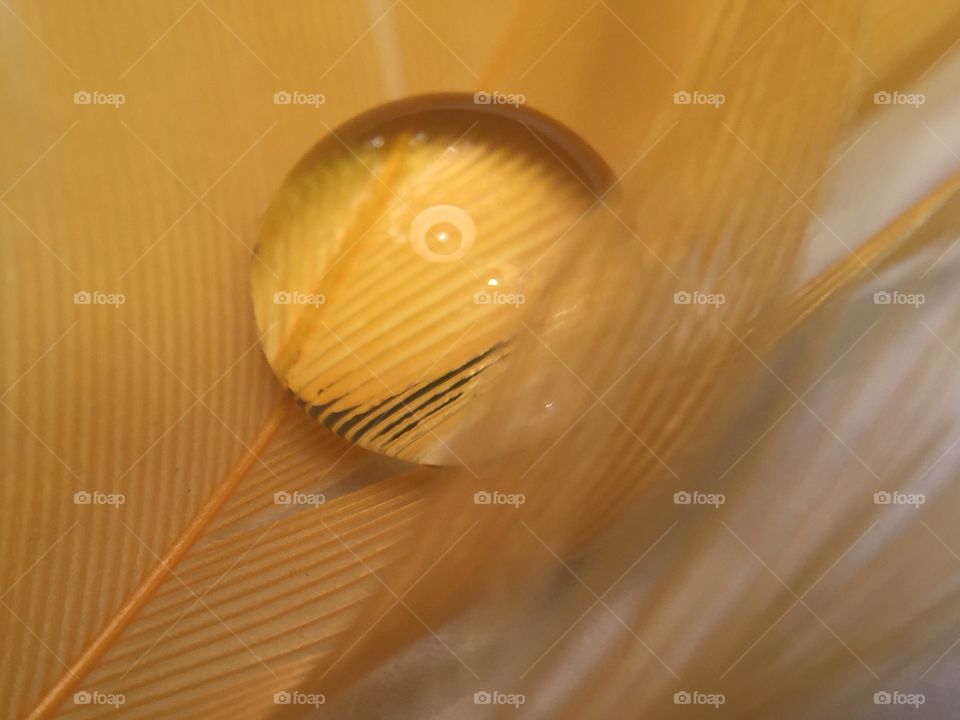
145,439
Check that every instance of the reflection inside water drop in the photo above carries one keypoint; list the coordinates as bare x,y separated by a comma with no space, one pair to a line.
418,235
444,238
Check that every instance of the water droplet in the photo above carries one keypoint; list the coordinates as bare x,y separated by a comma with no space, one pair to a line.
420,265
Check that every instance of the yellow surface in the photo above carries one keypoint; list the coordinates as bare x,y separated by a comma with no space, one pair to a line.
199,596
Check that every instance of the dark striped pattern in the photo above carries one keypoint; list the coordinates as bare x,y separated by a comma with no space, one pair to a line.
400,420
